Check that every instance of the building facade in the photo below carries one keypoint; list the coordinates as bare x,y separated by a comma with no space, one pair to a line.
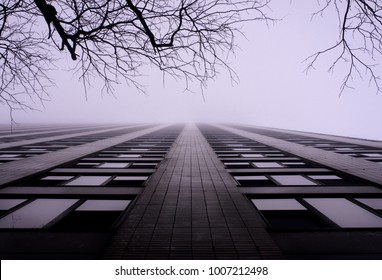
145,191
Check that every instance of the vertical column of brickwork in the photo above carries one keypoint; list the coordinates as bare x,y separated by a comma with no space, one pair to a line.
191,209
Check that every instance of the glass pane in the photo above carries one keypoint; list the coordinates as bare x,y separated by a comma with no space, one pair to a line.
241,149
252,155
325,177
375,203
345,213
36,214
128,156
250,178
8,155
292,180
372,155
114,165
293,163
236,163
131,178
344,149
63,178
88,181
6,204
139,149
88,163
278,204
267,164
145,163
104,205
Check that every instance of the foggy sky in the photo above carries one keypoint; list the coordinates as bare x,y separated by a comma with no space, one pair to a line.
273,90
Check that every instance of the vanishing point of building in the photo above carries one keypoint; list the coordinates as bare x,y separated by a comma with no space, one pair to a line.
145,191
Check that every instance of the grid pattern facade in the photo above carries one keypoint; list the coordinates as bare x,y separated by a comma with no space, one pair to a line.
188,192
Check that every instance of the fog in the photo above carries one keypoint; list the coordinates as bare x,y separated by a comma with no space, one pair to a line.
273,90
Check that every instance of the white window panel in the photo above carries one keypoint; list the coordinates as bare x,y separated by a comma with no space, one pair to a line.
88,181
145,163
293,163
131,178
104,205
344,149
322,145
278,204
372,155
267,164
237,163
6,204
129,156
241,149
8,155
139,149
252,155
114,165
88,163
345,213
63,178
292,180
250,177
325,177
36,214
375,203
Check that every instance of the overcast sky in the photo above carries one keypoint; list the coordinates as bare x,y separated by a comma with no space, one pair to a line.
273,90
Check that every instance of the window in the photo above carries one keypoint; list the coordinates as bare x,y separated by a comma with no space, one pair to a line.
375,203
129,156
292,180
103,205
267,164
57,178
252,155
9,155
331,180
88,163
128,181
93,214
372,155
288,214
293,163
278,204
345,213
234,145
237,165
88,181
254,181
6,204
36,214
343,149
144,165
114,165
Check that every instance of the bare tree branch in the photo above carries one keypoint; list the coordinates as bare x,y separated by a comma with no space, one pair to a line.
359,47
114,39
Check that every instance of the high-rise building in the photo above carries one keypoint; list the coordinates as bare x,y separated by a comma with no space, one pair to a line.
145,191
